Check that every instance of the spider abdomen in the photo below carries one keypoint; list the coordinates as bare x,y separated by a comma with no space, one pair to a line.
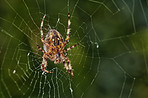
56,42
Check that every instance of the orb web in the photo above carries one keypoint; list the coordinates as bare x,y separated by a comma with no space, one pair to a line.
110,62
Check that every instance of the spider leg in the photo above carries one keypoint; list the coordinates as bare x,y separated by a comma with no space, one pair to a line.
44,64
41,49
68,30
69,67
71,47
41,28
65,64
70,70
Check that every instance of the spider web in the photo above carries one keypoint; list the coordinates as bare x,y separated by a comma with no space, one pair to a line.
110,62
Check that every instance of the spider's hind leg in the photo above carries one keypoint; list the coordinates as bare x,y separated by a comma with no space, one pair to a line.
41,27
68,30
41,30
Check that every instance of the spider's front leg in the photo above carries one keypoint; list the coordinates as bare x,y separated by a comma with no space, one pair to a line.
69,67
44,64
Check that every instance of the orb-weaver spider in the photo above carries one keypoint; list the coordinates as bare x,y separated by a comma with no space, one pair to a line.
54,48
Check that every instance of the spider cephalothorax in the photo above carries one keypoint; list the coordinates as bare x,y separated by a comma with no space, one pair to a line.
54,48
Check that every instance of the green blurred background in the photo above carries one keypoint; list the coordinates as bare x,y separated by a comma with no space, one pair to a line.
110,62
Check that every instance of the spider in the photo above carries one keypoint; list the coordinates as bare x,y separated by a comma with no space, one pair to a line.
54,48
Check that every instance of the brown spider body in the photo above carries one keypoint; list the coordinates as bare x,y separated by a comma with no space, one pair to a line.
54,48
56,42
